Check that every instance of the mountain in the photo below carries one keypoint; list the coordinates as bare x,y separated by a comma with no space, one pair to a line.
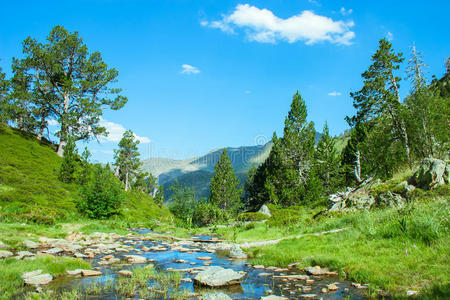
197,172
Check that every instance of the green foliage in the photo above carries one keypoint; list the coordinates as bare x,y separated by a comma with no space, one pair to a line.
70,162
252,217
206,214
4,101
62,79
225,191
102,197
182,203
127,161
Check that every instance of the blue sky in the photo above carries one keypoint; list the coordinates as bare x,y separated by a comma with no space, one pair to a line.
201,75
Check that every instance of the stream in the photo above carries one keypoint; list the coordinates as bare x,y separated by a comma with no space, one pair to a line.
168,256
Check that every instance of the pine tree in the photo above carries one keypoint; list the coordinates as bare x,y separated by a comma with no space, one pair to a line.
69,164
4,103
326,161
380,94
225,191
127,159
67,82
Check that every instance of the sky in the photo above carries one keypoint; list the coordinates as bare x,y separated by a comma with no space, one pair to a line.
202,75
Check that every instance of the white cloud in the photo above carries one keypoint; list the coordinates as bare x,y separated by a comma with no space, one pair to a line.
116,132
334,94
389,36
261,25
188,69
346,12
52,122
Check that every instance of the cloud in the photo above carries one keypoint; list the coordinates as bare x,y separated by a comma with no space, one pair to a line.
389,36
334,94
188,69
52,122
116,132
346,12
261,25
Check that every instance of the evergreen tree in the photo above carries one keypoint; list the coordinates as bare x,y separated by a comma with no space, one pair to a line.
127,159
225,191
380,94
4,103
64,80
326,161
67,171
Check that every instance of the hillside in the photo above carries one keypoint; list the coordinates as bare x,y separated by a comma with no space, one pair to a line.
30,190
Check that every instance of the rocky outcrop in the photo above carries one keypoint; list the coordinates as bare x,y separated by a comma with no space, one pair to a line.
388,199
216,276
265,210
432,172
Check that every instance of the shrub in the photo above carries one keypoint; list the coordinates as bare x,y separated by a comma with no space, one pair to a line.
206,213
252,217
69,164
182,203
287,217
102,196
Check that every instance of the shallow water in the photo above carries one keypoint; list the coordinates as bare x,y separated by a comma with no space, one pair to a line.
252,287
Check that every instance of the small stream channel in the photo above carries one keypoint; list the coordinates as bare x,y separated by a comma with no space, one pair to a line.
256,284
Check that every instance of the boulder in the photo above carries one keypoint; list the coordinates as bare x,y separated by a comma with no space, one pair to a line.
318,271
265,210
236,252
432,172
54,251
388,199
74,272
22,254
30,244
125,273
3,246
215,296
36,278
136,259
87,273
404,188
5,254
362,201
216,276
273,297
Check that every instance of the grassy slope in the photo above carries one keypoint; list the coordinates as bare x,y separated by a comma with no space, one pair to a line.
393,250
31,192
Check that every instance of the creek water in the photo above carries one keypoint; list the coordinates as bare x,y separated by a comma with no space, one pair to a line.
254,286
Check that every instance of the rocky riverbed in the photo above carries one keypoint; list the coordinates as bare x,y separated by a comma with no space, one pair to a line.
209,268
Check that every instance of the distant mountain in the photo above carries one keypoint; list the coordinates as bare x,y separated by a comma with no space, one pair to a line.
197,172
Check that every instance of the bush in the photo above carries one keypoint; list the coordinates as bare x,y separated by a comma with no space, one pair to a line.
182,203
102,197
288,216
252,217
206,213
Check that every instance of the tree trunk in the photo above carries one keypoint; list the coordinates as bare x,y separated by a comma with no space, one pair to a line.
64,127
126,181
357,169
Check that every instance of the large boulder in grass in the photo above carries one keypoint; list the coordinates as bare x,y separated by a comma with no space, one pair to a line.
432,172
388,199
265,210
216,276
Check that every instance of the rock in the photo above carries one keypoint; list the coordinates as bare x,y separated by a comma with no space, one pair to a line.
38,279
265,210
55,250
30,244
204,258
3,245
86,273
273,297
236,252
258,267
74,272
125,273
388,199
187,279
333,287
432,172
5,254
411,293
79,255
308,296
215,296
216,276
318,271
22,254
362,201
264,274
31,274
136,259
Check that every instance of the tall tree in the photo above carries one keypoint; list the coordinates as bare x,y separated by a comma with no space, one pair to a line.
69,164
68,82
380,93
4,104
326,161
225,191
127,159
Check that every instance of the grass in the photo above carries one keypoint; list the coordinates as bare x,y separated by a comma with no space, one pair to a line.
392,250
11,270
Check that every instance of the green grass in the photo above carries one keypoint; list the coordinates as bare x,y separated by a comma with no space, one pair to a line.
11,270
392,250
